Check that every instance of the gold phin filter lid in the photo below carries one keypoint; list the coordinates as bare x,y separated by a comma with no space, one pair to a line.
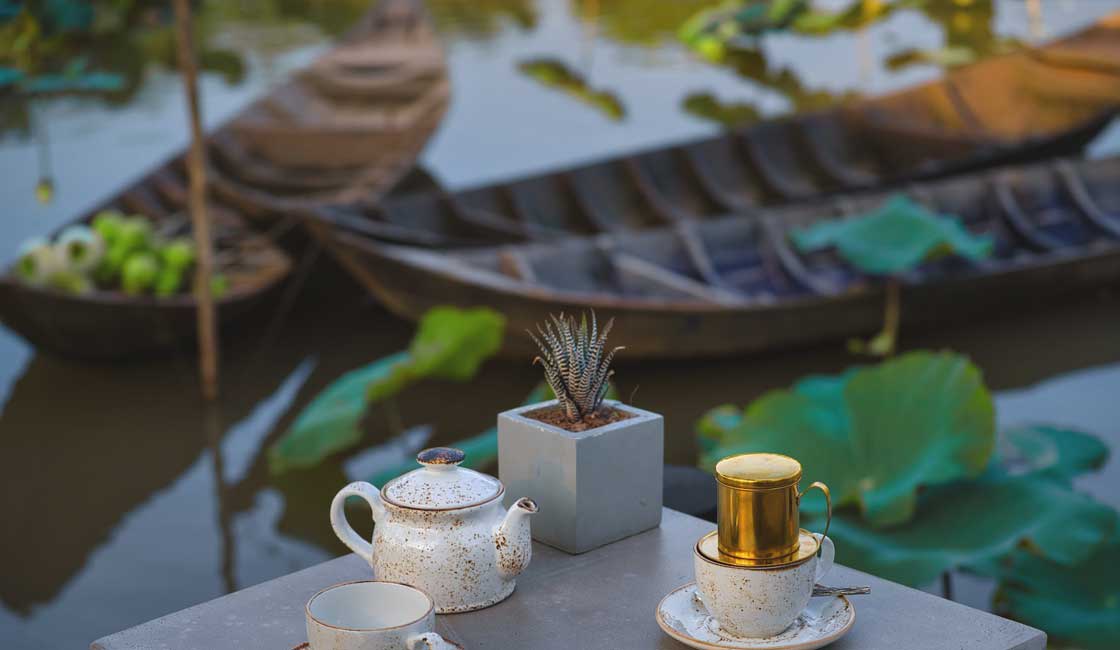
760,471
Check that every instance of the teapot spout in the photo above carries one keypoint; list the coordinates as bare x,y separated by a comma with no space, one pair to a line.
512,541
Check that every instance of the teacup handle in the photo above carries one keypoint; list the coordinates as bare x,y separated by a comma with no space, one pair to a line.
828,503
431,641
827,556
341,526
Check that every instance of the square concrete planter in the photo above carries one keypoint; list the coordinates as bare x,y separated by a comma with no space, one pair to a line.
593,487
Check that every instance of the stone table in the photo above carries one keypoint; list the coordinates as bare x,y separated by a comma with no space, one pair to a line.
605,598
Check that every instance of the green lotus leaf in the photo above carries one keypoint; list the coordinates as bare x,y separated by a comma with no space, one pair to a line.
330,423
874,434
1077,605
921,419
452,343
1058,453
897,237
974,524
449,344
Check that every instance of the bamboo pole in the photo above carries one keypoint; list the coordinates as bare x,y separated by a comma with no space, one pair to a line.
196,169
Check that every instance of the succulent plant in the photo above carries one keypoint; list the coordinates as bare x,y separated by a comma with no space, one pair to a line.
576,362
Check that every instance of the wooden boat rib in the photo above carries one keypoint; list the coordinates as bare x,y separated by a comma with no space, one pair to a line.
735,284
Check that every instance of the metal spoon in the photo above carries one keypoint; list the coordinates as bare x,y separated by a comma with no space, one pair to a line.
821,590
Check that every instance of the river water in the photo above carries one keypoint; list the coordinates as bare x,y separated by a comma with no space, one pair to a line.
125,499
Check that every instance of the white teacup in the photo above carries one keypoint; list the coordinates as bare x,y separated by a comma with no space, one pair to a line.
753,601
372,615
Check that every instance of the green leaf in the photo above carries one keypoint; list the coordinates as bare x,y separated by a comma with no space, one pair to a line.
1058,453
897,237
921,419
480,450
874,434
973,524
449,344
452,343
1078,605
330,422
556,75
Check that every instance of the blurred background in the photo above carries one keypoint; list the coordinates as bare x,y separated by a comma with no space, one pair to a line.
125,496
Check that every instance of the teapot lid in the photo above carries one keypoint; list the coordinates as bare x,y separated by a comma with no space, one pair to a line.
441,484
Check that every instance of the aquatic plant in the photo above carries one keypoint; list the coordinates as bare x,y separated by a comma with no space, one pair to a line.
577,365
921,487
898,236
556,75
449,344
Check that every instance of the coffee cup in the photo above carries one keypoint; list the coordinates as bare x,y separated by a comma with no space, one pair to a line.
373,615
759,600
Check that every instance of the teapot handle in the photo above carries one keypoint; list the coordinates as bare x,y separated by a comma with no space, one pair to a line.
341,526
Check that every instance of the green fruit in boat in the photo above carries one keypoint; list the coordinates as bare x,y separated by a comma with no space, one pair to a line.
139,273
104,272
37,261
168,282
108,224
219,285
70,281
116,257
136,233
178,254
79,248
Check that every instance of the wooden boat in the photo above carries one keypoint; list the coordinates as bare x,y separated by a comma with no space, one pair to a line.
373,101
348,126
113,325
735,284
1029,105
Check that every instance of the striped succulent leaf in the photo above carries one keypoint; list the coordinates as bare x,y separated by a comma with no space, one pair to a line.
576,363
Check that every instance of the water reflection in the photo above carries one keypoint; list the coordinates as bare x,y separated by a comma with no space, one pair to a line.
125,499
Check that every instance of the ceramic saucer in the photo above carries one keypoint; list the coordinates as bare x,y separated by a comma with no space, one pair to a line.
683,616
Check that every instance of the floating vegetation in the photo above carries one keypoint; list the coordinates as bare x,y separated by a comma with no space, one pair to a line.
908,448
707,106
556,75
449,344
481,19
896,238
639,22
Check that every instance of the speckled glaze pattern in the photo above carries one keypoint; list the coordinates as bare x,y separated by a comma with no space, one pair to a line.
465,558
759,601
439,486
682,615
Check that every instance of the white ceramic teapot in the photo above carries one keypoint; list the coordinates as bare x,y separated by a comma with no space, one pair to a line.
442,528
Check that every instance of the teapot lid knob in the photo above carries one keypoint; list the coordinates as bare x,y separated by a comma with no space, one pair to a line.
437,456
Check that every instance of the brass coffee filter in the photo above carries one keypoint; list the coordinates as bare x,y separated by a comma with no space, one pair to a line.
708,546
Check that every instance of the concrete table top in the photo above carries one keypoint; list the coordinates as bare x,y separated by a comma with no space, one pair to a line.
605,598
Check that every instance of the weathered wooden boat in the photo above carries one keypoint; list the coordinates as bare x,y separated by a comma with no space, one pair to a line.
736,285
385,90
1033,104
350,125
114,325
